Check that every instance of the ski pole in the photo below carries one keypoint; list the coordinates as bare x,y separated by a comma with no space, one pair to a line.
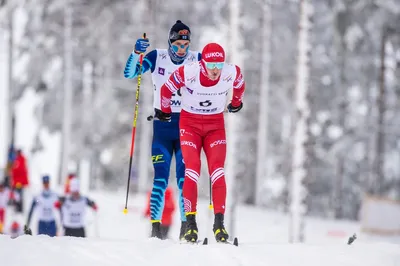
210,206
134,126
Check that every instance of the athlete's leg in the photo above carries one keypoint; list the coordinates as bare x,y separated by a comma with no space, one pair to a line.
215,150
180,176
161,156
191,143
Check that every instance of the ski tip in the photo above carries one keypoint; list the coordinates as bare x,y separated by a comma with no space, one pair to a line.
205,241
236,241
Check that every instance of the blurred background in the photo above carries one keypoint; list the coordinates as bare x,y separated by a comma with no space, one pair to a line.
67,105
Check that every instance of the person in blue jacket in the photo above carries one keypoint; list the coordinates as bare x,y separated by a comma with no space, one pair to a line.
161,63
44,204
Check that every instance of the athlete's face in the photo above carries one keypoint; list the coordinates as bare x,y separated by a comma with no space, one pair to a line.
214,70
180,47
75,194
46,185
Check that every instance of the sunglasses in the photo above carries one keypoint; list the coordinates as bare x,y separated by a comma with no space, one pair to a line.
214,65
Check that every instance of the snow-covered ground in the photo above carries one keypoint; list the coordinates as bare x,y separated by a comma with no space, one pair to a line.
118,239
82,252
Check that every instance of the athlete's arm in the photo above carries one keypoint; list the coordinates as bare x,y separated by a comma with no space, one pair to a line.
238,88
91,204
174,83
133,66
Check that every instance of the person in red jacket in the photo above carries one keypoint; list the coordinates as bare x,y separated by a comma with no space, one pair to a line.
68,182
19,175
168,212
204,87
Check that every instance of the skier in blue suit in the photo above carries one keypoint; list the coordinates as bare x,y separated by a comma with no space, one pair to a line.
161,63
45,205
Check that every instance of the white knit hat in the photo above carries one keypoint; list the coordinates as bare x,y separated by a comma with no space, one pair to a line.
74,185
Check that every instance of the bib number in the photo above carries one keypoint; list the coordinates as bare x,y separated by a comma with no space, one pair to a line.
75,217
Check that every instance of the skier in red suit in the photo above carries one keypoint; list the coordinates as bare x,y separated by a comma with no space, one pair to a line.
204,88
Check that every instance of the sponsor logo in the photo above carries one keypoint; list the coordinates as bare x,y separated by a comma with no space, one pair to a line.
212,93
218,142
165,102
228,78
239,79
183,132
183,32
189,90
188,143
203,110
157,158
205,103
177,77
191,80
161,71
214,54
163,56
175,103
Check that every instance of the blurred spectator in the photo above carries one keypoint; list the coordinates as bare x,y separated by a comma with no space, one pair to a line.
73,210
10,160
6,197
44,203
68,182
19,176
15,230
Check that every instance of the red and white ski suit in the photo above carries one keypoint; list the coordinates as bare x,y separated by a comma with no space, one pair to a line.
202,125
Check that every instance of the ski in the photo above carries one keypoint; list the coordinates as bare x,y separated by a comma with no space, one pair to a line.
234,243
198,242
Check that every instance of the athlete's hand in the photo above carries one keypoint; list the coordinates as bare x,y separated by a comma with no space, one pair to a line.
27,230
233,109
160,115
141,45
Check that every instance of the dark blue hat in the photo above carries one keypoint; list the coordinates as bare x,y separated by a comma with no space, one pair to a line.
179,31
46,179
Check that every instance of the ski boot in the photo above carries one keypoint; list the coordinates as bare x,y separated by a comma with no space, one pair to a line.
191,228
220,234
156,230
183,230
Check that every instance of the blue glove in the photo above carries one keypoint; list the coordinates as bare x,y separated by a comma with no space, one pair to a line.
141,45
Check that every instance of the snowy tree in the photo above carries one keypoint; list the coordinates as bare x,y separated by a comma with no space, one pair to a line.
343,92
300,139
